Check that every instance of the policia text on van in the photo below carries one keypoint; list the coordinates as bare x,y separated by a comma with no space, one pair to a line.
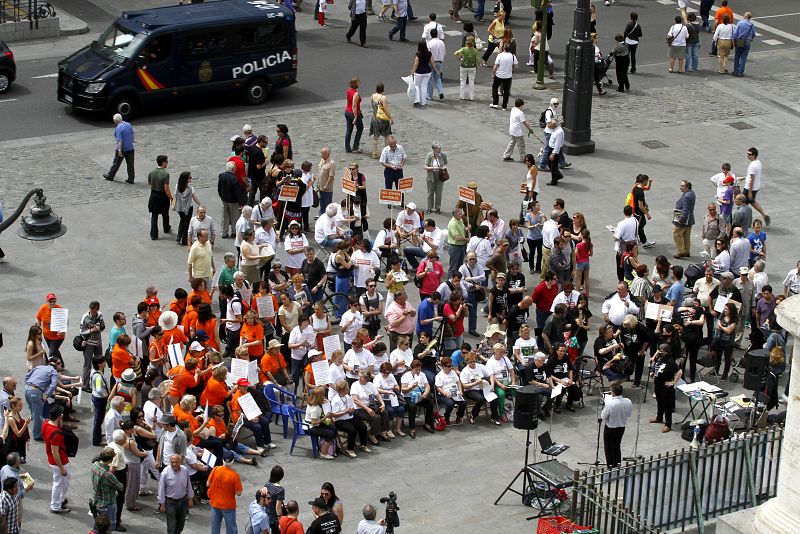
181,53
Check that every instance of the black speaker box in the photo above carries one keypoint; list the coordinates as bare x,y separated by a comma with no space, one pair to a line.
526,407
754,363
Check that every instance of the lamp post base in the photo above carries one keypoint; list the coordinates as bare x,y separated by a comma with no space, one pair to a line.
574,149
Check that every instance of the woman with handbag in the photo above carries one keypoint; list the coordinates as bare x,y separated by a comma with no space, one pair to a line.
320,424
436,167
722,345
381,124
370,407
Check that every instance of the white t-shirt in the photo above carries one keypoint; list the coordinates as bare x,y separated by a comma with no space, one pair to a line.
299,336
416,380
679,34
294,261
469,375
242,224
357,361
339,403
448,382
501,369
190,459
397,355
354,321
336,373
515,121
388,382
717,180
384,238
625,231
152,413
482,248
324,227
408,222
753,180
234,309
526,347
363,391
367,264
505,62
308,197
438,236
570,300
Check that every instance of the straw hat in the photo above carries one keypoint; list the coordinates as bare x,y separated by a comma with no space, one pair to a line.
168,320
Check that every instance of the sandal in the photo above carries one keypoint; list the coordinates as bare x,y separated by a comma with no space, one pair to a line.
412,433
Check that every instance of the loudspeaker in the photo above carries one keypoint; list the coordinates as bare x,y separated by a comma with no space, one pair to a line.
754,363
526,408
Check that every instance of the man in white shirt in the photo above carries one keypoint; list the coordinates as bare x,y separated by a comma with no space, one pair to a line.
393,158
408,222
552,112
367,266
437,49
515,123
201,221
265,233
504,66
430,26
556,144
549,232
627,230
431,238
262,210
791,284
326,231
617,307
752,182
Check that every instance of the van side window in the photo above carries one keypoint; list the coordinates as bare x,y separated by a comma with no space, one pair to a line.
158,49
264,36
204,44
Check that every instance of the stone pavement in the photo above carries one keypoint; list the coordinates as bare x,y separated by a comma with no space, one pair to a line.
446,481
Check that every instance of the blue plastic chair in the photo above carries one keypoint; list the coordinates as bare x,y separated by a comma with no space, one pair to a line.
301,428
279,401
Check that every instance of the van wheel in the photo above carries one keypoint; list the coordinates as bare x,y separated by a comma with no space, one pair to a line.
5,82
256,92
126,105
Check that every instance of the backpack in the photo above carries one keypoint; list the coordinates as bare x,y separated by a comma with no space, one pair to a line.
543,119
71,442
78,343
629,200
237,297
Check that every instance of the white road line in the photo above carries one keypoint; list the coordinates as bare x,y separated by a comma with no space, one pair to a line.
761,26
776,16
666,2
772,42
8,100
452,33
54,75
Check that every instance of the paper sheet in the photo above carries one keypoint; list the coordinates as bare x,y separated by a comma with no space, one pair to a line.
651,311
321,371
238,369
208,458
80,396
393,400
175,351
719,305
252,372
488,392
265,308
556,391
249,406
58,319
331,344
205,412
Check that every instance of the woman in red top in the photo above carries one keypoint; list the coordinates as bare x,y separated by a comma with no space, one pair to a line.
431,272
455,310
353,117
583,251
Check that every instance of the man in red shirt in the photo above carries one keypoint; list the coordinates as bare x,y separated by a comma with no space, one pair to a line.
53,339
543,296
57,458
224,485
239,170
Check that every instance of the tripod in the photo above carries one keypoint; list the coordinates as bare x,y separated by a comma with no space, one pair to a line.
597,462
635,456
527,481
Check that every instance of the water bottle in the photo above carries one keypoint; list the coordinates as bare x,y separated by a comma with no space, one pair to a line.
695,444
698,394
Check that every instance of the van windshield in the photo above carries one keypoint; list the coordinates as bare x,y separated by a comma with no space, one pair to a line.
118,42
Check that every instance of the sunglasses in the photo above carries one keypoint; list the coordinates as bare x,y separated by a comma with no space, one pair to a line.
371,285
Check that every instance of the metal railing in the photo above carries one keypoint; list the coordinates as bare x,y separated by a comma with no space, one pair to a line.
680,489
22,10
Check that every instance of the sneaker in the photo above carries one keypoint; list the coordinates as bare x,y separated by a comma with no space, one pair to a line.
508,159
325,456
3,260
441,96
494,106
565,166
365,448
495,422
204,501
270,446
649,244
767,219
60,511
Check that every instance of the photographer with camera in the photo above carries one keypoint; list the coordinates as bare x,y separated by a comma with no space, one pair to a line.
368,525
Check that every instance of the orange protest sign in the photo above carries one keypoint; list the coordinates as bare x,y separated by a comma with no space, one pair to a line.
390,196
465,194
288,193
348,187
405,184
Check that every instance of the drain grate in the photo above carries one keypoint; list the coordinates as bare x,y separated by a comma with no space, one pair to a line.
741,125
655,144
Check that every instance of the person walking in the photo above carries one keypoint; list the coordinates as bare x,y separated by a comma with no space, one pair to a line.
723,37
184,196
393,158
401,13
515,123
123,137
353,116
358,21
326,175
421,72
468,55
175,494
56,451
381,123
496,30
53,339
438,52
621,54
105,488
224,485
632,34
436,175
676,41
640,208
752,183
551,113
683,220
160,196
556,143
616,412
743,35
503,70
256,167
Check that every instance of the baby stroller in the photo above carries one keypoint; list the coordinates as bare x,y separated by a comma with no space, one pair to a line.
601,71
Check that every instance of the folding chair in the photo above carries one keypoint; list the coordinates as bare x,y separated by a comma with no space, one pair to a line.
590,374
278,397
707,365
301,428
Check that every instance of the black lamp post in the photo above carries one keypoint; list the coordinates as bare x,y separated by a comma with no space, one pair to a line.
577,107
40,227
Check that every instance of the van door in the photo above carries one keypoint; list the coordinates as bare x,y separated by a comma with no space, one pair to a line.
155,74
205,63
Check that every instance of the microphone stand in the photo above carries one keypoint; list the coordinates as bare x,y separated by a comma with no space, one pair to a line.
635,457
597,463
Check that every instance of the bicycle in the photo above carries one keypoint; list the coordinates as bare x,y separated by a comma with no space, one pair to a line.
44,11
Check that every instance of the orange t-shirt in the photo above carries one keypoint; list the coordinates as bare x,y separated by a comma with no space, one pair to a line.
152,318
209,327
253,332
723,10
189,319
310,372
214,393
43,316
254,306
179,307
205,296
290,525
218,426
161,350
182,379
175,336
120,360
182,415
236,410
272,364
223,485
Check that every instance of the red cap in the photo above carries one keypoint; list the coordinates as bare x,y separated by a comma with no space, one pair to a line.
243,382
152,301
728,180
50,296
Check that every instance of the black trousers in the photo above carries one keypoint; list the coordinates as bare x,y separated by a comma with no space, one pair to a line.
183,227
426,404
692,348
621,64
359,22
632,54
620,268
127,155
555,172
612,442
506,84
642,220
122,476
480,400
351,427
665,401
255,187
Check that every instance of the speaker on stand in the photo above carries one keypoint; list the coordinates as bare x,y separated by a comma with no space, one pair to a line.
527,404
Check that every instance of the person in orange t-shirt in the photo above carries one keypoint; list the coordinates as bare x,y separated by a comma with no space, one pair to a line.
54,339
273,366
157,352
252,335
262,289
216,391
190,317
153,311
314,355
723,10
121,359
183,377
199,288
220,429
179,303
259,425
224,485
207,323
172,334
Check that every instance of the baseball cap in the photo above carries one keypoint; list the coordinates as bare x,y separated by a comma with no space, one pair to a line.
411,206
728,180
50,296
243,382
197,346
743,270
319,502
152,301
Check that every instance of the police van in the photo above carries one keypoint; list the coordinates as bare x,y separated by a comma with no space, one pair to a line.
158,57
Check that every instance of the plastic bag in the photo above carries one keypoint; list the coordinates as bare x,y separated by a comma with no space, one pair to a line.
412,89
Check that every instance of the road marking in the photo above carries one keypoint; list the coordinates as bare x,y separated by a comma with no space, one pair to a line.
8,100
776,31
54,75
772,42
452,33
775,16
666,2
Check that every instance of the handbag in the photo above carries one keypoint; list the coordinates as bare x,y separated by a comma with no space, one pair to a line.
315,199
444,174
381,114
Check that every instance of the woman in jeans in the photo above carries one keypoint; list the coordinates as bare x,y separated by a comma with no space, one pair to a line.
184,195
534,220
692,44
468,55
723,338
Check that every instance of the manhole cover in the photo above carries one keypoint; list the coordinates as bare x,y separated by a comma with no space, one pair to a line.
741,125
654,144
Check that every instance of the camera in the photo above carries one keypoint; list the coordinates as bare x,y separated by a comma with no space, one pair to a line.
392,519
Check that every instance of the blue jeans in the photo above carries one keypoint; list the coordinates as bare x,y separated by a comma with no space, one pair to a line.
413,254
740,58
400,26
359,127
109,511
230,521
329,243
436,78
325,198
342,286
99,404
692,56
479,9
36,405
546,154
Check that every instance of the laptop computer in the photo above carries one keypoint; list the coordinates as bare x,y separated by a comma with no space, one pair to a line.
548,447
